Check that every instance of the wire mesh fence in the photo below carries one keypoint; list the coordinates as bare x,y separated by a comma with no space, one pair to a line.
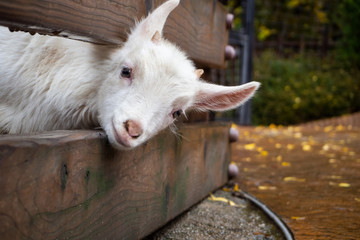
288,27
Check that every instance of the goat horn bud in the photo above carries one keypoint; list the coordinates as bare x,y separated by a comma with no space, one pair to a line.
156,38
199,72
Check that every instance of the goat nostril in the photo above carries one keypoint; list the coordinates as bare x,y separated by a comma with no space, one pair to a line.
133,128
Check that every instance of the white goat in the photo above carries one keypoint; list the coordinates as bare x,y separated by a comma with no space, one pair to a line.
132,92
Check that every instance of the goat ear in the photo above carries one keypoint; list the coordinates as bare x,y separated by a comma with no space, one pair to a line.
151,27
221,98
199,72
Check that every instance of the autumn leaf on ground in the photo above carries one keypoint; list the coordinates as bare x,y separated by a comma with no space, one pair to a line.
222,199
344,185
285,164
332,160
306,147
328,129
267,188
294,179
340,128
272,126
264,153
335,177
290,146
278,145
326,147
250,146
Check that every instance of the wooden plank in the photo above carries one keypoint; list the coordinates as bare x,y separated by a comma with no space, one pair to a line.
198,27
72,184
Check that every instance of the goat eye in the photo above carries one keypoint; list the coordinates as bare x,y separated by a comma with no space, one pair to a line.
126,72
177,114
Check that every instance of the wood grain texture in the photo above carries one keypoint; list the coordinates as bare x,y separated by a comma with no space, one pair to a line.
73,185
198,27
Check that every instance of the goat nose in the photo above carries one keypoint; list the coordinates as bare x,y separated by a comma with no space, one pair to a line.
133,128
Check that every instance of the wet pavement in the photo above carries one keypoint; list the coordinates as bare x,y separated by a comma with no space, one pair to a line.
307,174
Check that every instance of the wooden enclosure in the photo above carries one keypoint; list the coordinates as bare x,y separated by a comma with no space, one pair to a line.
73,184
199,27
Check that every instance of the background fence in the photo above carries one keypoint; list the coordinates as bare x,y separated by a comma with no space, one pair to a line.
305,54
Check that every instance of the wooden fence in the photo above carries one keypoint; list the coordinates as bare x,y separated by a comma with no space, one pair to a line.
73,184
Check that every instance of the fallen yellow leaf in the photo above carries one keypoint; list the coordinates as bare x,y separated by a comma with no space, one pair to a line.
266,187
218,199
306,147
222,199
236,187
290,146
272,126
344,185
232,203
298,218
279,158
357,199
247,159
326,147
226,189
285,164
250,146
332,160
328,129
294,179
298,135
335,177
259,149
340,128
277,145
264,153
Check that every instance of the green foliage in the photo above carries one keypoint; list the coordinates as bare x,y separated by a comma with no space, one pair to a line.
235,8
292,20
348,20
302,88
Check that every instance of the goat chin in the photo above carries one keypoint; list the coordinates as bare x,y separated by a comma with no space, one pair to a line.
132,92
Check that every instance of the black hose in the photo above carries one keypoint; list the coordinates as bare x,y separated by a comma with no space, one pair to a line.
279,223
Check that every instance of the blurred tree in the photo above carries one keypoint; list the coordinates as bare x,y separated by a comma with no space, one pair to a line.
348,19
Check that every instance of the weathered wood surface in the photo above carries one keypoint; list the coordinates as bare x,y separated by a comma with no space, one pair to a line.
308,174
73,185
198,27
